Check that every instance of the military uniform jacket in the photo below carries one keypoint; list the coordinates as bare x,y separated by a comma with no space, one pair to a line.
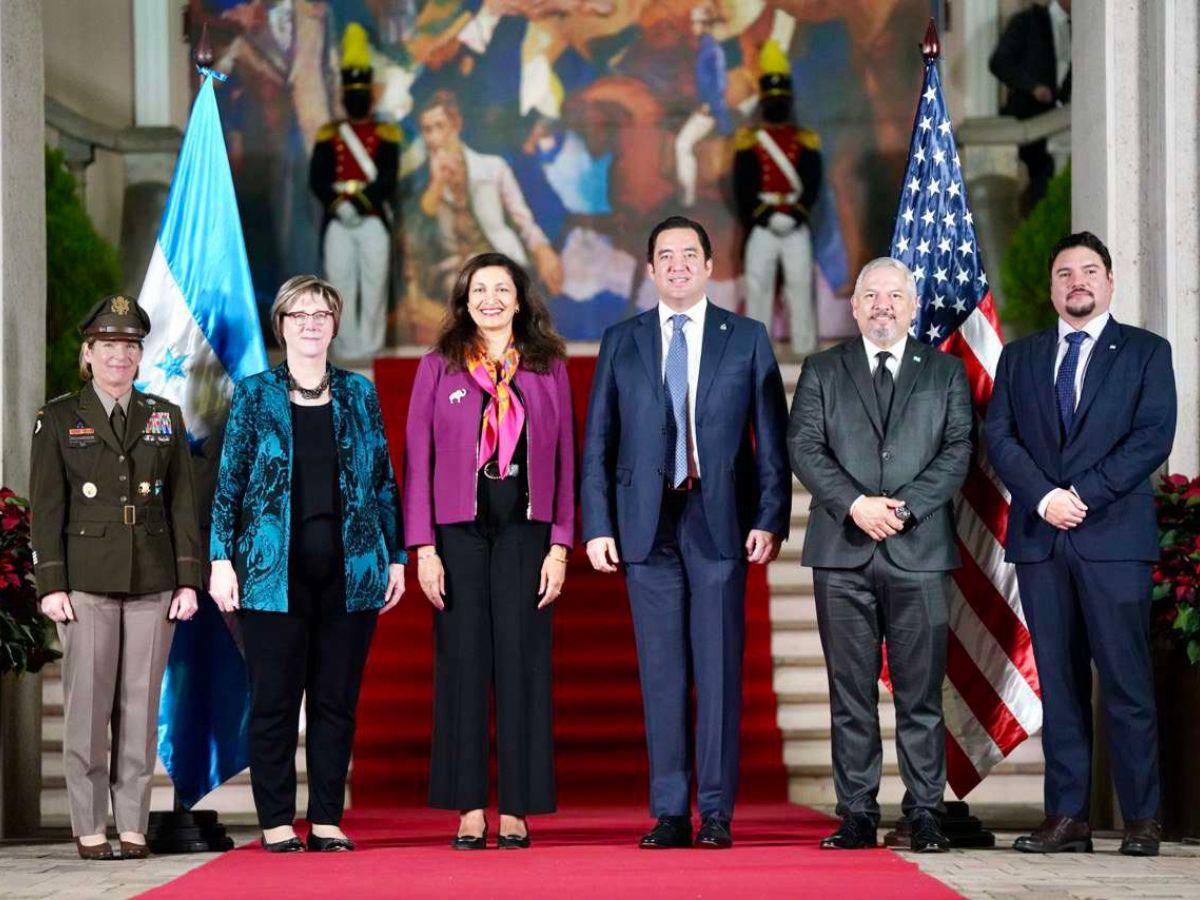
113,517
760,184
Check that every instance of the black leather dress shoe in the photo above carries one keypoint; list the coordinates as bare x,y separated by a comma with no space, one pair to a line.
1058,834
320,844
926,833
289,845
857,832
1142,837
669,832
714,834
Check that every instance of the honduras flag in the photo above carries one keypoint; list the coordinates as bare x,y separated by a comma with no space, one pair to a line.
205,336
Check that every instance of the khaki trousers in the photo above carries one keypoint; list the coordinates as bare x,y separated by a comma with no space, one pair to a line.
114,654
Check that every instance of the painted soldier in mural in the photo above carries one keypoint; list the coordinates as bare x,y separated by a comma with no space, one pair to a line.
353,174
777,173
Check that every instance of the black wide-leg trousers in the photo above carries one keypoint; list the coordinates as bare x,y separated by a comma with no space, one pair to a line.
491,635
317,649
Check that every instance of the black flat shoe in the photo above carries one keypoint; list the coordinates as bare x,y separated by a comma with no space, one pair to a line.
320,844
289,845
513,841
714,834
471,842
668,833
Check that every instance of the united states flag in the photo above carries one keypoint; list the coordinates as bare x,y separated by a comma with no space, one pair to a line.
991,696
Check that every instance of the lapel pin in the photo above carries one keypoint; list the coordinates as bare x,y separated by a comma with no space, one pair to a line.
724,327
456,396
1112,346
916,359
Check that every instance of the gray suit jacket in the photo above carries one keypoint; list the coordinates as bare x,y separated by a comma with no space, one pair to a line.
839,450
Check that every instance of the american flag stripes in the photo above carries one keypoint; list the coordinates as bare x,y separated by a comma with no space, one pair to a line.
991,695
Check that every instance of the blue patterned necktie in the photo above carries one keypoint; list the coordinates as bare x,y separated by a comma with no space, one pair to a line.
1064,384
676,380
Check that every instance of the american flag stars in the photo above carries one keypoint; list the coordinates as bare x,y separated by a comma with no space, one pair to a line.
934,234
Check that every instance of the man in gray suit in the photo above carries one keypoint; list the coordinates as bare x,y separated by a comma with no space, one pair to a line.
880,434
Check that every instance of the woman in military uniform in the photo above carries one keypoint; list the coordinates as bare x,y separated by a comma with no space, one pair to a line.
116,556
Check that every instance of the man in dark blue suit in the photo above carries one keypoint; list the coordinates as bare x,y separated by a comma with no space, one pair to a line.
685,481
1081,416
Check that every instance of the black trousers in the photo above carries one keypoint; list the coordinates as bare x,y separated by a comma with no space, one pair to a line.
856,610
318,648
492,635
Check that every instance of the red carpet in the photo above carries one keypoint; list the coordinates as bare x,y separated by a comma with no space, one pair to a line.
584,853
599,738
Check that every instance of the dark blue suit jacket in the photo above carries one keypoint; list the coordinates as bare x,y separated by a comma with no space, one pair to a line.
741,429
1123,429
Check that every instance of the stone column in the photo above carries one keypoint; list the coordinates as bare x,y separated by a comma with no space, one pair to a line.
22,347
1135,132
1134,136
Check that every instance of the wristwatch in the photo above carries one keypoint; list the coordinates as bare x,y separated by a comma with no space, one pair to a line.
904,514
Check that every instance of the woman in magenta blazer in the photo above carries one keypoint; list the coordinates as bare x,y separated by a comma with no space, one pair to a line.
489,504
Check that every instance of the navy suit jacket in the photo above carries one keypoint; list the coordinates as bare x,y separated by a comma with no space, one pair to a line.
1123,429
741,429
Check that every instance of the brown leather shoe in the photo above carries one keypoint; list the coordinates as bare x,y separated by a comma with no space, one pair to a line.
1142,837
1057,834
93,851
134,850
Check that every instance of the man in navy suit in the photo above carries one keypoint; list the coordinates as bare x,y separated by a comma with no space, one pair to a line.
685,481
1081,416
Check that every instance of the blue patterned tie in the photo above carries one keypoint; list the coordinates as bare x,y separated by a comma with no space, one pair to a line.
1064,385
676,380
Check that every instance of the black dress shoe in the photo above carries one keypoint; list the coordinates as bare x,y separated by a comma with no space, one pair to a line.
714,834
1142,837
1058,834
288,845
513,841
471,842
668,833
926,833
856,833
320,844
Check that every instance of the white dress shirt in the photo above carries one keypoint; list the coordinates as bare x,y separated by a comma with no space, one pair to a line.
1092,329
1060,27
693,333
873,350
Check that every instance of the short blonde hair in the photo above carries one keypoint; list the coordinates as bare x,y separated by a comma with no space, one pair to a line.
296,289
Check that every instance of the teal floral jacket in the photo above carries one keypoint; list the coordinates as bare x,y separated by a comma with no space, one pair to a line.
251,518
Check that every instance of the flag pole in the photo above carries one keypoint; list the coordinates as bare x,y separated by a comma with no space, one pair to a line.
182,830
964,830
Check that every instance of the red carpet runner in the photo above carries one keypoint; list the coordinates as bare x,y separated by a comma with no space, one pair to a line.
589,848
576,854
599,738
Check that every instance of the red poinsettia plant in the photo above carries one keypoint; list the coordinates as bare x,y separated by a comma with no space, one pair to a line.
1176,610
26,636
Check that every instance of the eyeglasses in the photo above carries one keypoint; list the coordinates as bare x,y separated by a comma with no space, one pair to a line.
317,318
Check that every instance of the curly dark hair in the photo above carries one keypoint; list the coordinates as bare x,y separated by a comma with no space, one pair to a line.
533,332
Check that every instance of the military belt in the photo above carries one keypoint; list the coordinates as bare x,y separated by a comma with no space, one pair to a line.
122,515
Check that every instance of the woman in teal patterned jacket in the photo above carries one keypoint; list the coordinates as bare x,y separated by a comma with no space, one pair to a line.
307,543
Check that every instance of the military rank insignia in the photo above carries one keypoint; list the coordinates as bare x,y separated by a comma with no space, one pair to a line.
158,427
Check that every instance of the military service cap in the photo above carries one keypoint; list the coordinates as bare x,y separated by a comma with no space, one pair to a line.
116,318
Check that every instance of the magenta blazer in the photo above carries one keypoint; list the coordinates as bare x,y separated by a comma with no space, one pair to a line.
442,434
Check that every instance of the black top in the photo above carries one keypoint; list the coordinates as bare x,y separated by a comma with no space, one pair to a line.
314,464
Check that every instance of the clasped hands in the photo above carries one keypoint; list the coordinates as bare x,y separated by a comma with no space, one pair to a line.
877,517
1065,509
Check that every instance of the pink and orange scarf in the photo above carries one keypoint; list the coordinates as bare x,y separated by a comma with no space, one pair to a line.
503,417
